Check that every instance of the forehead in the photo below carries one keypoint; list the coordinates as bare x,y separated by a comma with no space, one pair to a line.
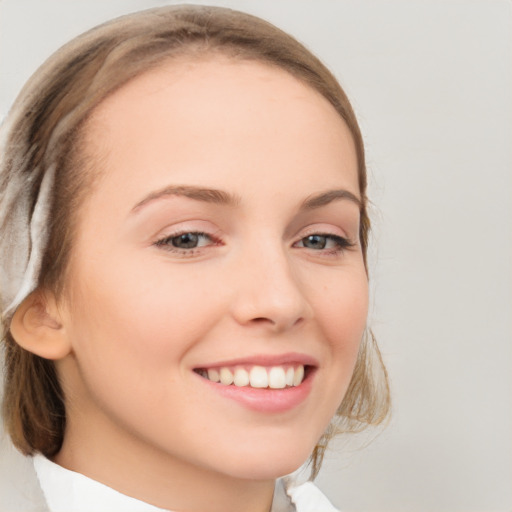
220,112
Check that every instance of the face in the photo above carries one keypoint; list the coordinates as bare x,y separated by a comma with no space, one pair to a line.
221,242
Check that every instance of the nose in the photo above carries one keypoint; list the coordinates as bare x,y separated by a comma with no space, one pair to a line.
268,292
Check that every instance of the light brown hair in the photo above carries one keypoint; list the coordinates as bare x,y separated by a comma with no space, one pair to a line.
46,128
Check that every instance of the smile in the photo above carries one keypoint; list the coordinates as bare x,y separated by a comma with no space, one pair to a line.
262,383
255,376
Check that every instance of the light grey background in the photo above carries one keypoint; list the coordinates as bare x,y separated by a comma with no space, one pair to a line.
431,82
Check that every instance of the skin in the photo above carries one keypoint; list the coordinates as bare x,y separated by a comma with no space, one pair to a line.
137,317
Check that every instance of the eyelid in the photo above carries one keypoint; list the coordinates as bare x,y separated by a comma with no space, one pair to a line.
343,242
162,240
191,225
164,245
335,234
324,229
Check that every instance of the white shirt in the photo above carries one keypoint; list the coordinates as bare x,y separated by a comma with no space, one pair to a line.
68,491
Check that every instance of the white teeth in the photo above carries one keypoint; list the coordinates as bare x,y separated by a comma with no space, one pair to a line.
289,376
226,377
241,377
258,377
276,378
299,375
213,375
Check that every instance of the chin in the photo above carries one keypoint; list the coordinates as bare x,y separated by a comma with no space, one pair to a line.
267,464
269,470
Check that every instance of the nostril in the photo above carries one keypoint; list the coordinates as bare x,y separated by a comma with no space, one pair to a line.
276,323
262,319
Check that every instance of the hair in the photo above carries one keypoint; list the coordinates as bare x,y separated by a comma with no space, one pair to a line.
47,128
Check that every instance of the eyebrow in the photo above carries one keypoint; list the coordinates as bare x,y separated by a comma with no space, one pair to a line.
207,195
215,196
324,198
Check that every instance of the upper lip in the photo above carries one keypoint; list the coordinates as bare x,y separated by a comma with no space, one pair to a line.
265,360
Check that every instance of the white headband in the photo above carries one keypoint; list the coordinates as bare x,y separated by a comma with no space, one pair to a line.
24,213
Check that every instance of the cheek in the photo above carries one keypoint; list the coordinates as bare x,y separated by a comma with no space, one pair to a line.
342,308
131,333
341,312
142,307
134,328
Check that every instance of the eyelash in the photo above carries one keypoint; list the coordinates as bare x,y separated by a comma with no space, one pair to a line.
341,243
165,243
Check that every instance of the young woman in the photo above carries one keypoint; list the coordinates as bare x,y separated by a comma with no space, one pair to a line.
183,267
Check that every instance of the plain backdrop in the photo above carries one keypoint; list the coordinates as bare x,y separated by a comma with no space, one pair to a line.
431,82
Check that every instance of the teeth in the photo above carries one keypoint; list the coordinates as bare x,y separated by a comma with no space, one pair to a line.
213,375
275,377
258,377
289,376
299,375
241,377
226,377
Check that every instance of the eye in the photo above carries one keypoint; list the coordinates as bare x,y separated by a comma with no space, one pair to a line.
185,241
324,242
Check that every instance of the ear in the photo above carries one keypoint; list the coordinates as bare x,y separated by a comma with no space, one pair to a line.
36,326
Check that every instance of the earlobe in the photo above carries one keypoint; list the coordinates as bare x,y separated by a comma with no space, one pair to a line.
36,326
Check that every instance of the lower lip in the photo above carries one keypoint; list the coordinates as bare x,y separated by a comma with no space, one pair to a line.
265,400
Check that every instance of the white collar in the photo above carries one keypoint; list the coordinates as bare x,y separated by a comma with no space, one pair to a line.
68,491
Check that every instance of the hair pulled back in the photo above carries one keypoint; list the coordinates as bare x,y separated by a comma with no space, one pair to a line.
44,131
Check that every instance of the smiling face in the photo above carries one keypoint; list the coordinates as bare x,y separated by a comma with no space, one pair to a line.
220,242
